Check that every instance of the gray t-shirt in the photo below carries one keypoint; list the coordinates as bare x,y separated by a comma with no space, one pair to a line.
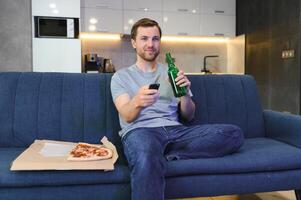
164,112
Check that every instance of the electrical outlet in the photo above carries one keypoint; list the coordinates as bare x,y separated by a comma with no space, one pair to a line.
290,53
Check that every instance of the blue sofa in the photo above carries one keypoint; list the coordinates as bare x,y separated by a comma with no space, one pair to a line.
79,107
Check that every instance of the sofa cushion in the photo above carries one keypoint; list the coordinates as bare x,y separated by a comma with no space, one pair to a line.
229,99
60,177
256,155
55,106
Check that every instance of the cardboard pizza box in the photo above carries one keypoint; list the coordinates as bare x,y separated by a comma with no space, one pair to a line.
52,155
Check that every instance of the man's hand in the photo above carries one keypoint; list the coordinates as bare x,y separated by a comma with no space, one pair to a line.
129,108
187,106
146,97
182,80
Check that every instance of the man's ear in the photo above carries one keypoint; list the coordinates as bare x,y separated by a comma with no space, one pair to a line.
133,43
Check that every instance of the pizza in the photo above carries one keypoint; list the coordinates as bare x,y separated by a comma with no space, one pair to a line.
89,152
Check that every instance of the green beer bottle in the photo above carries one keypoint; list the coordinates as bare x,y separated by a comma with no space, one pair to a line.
172,73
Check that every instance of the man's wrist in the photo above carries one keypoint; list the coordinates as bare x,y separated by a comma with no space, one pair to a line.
135,103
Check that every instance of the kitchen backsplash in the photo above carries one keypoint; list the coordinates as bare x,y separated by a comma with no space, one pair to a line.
188,56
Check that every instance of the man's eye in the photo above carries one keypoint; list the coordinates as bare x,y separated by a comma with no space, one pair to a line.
156,39
144,38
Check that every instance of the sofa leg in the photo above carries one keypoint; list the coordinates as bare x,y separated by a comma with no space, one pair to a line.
298,194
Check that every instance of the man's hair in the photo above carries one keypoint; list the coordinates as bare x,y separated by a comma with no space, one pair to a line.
144,22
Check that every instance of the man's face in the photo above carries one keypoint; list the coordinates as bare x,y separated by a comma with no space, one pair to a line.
147,43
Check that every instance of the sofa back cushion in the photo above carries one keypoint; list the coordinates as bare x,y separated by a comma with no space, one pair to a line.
55,106
228,99
79,107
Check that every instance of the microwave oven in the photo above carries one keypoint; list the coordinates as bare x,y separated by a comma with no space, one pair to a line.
56,27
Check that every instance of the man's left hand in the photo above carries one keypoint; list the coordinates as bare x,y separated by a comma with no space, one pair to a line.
182,80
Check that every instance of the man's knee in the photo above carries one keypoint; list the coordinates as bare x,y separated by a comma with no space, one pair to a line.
235,136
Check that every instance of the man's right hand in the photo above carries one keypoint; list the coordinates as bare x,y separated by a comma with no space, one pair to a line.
146,97
129,108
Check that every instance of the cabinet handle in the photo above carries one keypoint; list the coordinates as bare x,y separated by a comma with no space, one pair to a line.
144,9
182,10
102,6
219,34
219,11
182,33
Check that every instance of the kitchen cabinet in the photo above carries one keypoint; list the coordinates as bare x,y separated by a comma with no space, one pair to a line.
217,18
153,5
56,8
187,6
177,14
221,7
217,25
104,4
180,23
56,55
176,17
130,17
102,20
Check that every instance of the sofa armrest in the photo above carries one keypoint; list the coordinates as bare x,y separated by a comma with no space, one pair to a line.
283,126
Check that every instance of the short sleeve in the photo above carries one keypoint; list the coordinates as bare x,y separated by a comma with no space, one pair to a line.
117,87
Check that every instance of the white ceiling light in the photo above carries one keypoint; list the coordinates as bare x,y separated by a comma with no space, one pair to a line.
52,5
100,36
131,21
93,20
55,11
172,38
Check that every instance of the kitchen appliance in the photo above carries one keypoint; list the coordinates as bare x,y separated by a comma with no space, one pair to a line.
56,27
93,62
56,46
108,66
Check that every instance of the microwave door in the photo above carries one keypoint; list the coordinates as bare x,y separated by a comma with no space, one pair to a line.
52,27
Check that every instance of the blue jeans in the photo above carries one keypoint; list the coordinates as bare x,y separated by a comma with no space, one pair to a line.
149,149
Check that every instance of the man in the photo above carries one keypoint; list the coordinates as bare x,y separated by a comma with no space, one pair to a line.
151,132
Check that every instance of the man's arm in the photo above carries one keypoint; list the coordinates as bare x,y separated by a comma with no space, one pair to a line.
187,106
129,109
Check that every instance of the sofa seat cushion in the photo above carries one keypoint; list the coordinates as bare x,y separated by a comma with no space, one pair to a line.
256,155
48,178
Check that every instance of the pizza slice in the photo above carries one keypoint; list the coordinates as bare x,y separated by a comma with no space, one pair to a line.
89,152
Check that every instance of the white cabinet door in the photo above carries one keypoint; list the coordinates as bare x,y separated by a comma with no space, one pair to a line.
130,17
217,25
180,24
187,6
56,55
102,20
113,4
153,5
56,8
223,7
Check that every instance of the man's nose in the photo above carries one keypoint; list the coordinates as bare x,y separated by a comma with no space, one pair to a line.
150,43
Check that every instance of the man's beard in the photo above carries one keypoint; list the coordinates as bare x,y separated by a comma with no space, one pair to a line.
148,58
